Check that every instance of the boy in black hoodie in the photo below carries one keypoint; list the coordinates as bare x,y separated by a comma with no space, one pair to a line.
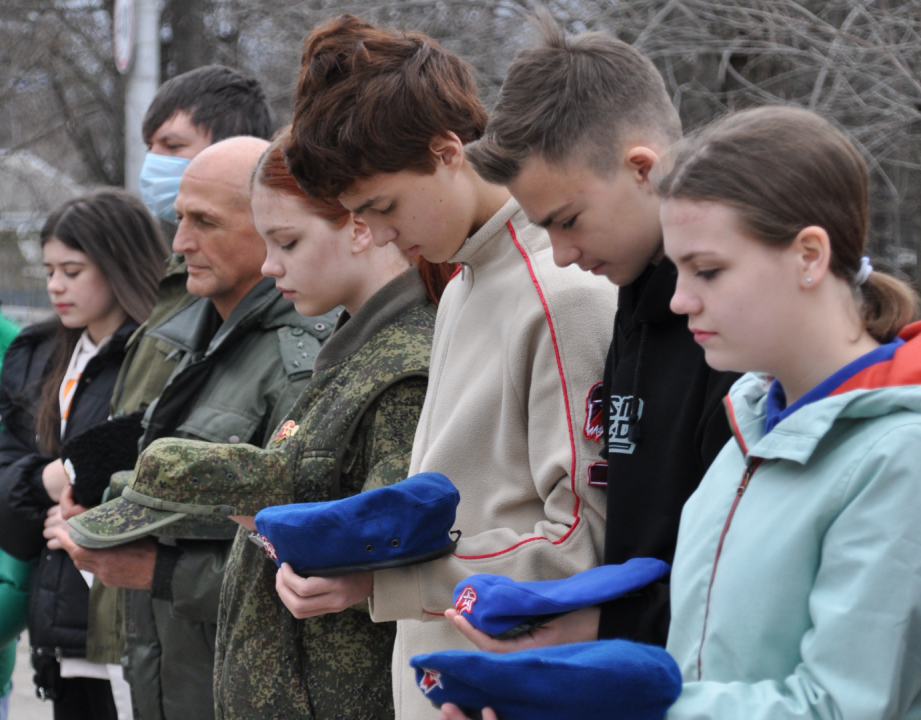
579,127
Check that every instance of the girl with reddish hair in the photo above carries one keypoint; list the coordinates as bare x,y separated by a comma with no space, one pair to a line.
351,430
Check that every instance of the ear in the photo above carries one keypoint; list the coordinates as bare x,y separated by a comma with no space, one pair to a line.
361,238
812,251
448,150
639,160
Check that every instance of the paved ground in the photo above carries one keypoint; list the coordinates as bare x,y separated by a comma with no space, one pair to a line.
24,705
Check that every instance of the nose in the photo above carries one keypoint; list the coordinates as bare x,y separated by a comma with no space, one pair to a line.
685,301
55,283
564,252
382,233
271,267
184,241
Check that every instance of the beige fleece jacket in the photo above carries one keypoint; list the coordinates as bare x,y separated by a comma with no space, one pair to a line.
518,345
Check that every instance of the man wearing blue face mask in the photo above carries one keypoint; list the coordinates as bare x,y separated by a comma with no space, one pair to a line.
188,114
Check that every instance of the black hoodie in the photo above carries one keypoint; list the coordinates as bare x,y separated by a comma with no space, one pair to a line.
659,447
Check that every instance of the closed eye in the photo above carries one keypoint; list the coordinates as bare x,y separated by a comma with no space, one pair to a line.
569,223
387,209
289,246
708,274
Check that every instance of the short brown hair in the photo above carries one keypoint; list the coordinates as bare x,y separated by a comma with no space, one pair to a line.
783,169
370,101
572,93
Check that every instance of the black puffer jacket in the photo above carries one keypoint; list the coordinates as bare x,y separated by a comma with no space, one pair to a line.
58,602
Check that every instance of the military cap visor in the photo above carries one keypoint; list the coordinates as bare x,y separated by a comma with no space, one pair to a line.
134,515
187,489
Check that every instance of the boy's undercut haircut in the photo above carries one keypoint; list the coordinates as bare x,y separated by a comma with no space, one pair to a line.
573,94
219,101
371,100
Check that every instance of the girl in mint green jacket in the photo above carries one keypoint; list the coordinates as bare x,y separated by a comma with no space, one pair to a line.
796,587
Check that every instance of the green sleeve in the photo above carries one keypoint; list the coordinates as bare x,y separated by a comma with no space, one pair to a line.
7,661
14,596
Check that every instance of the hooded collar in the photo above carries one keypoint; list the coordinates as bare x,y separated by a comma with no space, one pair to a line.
775,404
478,249
397,297
872,390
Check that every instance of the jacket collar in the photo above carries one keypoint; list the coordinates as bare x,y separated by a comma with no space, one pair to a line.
397,297
880,389
197,327
481,247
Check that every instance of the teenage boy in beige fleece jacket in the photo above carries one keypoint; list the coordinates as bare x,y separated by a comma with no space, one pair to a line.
590,182
519,342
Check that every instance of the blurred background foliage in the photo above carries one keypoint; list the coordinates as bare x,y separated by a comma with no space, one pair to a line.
854,61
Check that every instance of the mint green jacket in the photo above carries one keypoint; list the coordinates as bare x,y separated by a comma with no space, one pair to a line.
804,601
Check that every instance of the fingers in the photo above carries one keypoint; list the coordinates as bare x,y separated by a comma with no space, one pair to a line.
53,521
484,641
308,597
452,712
63,537
300,595
69,508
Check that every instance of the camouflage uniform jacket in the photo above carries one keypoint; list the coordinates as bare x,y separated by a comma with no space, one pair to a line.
356,421
233,380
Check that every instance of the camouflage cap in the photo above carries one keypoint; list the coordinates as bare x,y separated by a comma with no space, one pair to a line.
186,489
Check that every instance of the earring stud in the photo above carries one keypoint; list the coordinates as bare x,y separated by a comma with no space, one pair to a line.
808,280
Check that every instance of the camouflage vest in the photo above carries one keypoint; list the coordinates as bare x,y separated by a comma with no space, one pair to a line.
269,665
333,404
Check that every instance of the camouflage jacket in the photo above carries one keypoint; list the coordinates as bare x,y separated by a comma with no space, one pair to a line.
356,422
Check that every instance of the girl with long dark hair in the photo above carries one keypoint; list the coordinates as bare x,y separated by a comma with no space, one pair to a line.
103,255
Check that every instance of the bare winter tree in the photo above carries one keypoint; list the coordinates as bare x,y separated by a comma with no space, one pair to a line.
854,61
60,94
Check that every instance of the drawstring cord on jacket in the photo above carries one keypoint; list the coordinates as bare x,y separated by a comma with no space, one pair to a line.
633,420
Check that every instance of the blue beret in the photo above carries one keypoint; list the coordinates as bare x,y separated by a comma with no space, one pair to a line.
609,678
498,605
400,524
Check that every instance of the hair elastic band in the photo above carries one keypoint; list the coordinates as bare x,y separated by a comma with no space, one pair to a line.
863,274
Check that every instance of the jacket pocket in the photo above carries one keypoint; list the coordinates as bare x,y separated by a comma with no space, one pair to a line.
219,425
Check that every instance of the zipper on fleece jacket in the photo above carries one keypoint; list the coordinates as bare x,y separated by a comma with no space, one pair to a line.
746,477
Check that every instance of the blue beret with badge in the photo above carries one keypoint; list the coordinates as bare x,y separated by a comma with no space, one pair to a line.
609,678
402,524
504,608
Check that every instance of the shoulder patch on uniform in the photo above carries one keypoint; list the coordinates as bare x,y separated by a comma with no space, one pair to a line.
298,349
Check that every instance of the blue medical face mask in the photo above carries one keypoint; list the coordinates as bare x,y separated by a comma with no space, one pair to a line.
160,176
